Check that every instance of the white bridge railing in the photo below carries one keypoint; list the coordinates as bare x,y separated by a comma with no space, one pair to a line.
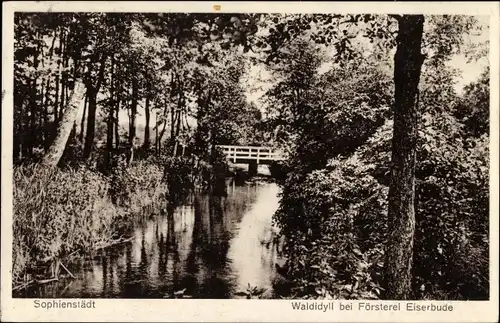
250,152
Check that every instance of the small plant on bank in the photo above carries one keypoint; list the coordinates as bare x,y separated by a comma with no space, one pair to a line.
251,292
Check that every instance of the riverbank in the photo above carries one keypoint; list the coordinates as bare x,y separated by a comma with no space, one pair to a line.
63,212
210,246
240,172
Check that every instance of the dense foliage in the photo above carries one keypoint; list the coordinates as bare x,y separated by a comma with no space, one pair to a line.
334,201
163,90
58,212
154,110
129,73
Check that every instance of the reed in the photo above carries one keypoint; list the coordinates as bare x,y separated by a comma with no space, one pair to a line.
58,211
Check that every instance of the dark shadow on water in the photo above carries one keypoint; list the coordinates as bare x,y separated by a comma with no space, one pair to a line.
207,247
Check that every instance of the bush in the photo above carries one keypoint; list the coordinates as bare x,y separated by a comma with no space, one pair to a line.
178,175
452,212
139,187
57,212
335,218
211,172
451,201
278,171
329,220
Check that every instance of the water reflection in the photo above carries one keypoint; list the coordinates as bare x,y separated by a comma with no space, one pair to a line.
211,247
253,258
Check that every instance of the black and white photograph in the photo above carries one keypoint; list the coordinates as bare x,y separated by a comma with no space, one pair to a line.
272,156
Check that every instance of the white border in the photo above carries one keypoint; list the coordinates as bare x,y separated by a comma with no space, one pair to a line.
239,310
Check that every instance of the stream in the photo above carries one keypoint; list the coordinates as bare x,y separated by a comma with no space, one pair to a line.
209,247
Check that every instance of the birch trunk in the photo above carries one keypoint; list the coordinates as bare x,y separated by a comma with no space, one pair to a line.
65,127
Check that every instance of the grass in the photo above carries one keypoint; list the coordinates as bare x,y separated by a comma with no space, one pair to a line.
141,187
57,212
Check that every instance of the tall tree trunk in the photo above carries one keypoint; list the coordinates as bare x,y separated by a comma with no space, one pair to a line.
92,101
55,110
132,124
44,114
19,99
66,89
90,133
25,134
61,101
146,143
34,103
117,125
65,127
110,119
185,123
157,150
46,127
178,126
174,153
401,212
172,122
174,127
133,113
177,131
64,77
82,124
162,132
16,152
173,84
58,76
46,123
180,103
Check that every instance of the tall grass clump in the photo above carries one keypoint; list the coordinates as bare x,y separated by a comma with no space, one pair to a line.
140,187
57,212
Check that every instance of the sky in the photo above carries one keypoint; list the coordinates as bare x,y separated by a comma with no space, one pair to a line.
471,70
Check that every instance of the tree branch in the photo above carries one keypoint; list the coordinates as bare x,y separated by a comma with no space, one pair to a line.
397,17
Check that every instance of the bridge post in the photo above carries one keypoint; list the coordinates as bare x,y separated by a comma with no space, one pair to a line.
252,168
233,149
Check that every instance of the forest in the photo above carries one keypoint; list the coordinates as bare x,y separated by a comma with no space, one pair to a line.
385,181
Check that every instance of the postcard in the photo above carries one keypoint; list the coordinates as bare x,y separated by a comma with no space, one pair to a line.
250,161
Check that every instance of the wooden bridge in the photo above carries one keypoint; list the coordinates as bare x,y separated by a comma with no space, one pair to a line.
250,154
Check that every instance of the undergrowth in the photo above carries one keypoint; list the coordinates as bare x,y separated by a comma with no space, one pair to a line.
336,221
60,211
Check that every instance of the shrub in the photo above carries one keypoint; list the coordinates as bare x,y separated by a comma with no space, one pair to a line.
452,212
210,172
329,221
57,212
178,176
139,187
335,218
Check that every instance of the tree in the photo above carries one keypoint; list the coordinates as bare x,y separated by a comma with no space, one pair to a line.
474,108
65,127
220,102
401,211
64,52
442,39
